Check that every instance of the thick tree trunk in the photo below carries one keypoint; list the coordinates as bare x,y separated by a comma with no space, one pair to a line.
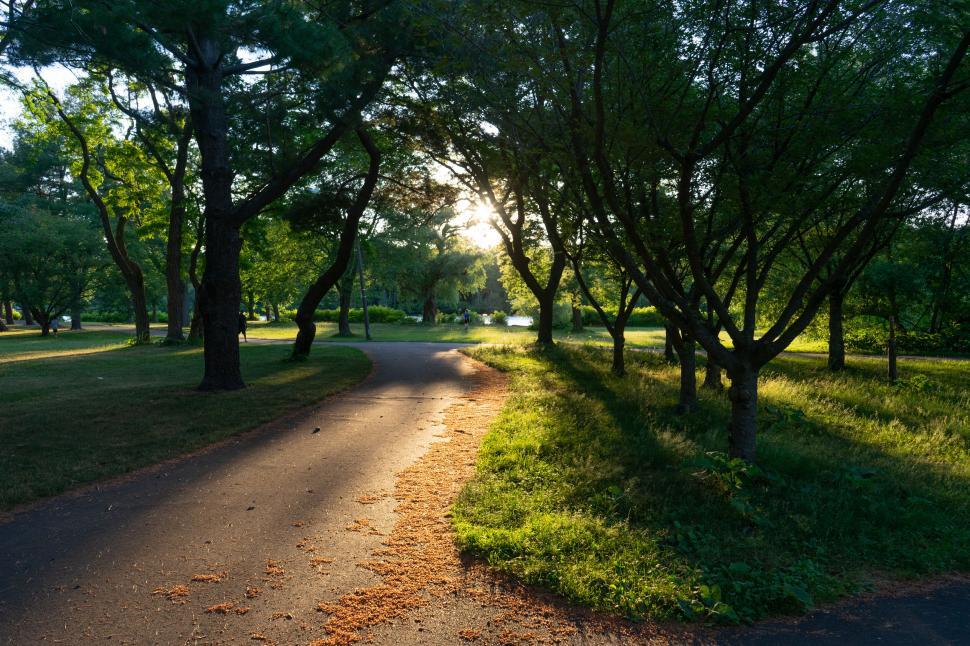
343,318
712,375
8,312
836,331
219,303
577,319
687,356
429,313
28,317
75,318
669,355
221,291
743,430
546,309
619,364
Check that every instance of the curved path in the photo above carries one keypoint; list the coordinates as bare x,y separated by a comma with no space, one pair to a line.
82,568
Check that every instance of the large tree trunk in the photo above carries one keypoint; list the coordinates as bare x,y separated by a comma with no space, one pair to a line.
28,317
687,356
836,331
219,303
743,430
76,318
619,340
221,291
577,319
343,317
8,312
547,304
429,313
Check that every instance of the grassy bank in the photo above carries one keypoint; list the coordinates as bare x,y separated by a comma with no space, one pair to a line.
593,487
84,406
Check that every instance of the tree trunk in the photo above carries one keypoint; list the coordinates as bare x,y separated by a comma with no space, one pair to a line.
891,350
363,292
343,318
3,326
251,306
687,355
429,314
577,319
547,306
712,375
154,312
28,317
174,282
619,364
8,312
136,285
836,331
75,318
195,327
221,290
219,303
669,355
743,430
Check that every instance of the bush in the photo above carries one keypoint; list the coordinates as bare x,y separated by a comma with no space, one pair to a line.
646,317
375,314
106,316
641,316
873,340
499,318
17,315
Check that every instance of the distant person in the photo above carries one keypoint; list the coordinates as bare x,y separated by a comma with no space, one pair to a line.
242,326
54,325
466,317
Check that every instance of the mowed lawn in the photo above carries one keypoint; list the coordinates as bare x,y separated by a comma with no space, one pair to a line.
83,406
643,337
593,487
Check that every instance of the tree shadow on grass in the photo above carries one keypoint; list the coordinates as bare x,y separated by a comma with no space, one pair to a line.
824,507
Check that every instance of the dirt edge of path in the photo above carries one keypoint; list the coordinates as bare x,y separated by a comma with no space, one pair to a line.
419,564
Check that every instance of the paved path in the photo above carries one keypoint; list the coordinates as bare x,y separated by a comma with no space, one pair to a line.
81,569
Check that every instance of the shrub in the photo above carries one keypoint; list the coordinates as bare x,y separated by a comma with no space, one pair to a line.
375,314
500,318
641,316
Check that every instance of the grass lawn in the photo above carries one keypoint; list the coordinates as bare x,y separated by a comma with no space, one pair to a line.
647,337
591,486
84,406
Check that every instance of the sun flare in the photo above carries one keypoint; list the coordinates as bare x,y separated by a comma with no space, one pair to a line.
475,218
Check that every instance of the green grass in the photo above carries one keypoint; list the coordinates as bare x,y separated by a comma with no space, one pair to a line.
449,333
84,406
591,485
